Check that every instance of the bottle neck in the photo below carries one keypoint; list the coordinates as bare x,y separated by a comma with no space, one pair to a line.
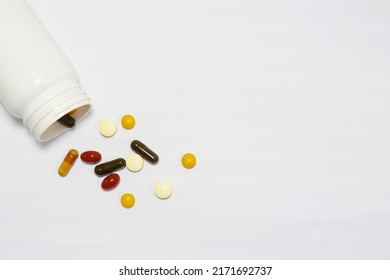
42,113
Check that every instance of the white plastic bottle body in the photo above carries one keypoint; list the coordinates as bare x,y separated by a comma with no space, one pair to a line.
37,81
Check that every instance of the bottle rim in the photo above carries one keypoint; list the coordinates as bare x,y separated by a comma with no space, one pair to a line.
41,116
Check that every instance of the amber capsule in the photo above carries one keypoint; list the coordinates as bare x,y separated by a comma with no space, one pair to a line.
141,149
91,156
67,120
68,162
110,182
73,111
110,166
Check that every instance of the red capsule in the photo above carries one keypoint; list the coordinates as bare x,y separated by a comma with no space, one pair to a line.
91,157
110,182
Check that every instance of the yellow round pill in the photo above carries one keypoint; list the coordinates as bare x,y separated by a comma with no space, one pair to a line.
127,200
188,160
128,121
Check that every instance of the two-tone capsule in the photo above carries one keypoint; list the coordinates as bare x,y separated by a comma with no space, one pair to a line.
110,166
68,162
141,149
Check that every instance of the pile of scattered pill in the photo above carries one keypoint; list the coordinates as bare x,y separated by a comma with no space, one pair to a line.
162,189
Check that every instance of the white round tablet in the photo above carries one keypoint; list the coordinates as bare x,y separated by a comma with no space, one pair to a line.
163,189
134,162
107,128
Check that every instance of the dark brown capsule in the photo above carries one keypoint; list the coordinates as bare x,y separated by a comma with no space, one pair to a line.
110,182
91,157
110,166
67,120
141,149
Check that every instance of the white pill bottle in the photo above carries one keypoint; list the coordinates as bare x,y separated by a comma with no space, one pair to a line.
37,82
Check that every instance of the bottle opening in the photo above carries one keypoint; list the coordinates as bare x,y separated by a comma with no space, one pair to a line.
57,128
42,114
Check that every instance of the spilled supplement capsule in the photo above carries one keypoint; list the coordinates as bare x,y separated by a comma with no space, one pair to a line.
110,182
141,149
91,156
67,120
68,162
110,166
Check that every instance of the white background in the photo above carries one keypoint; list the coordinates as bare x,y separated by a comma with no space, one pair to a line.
285,104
